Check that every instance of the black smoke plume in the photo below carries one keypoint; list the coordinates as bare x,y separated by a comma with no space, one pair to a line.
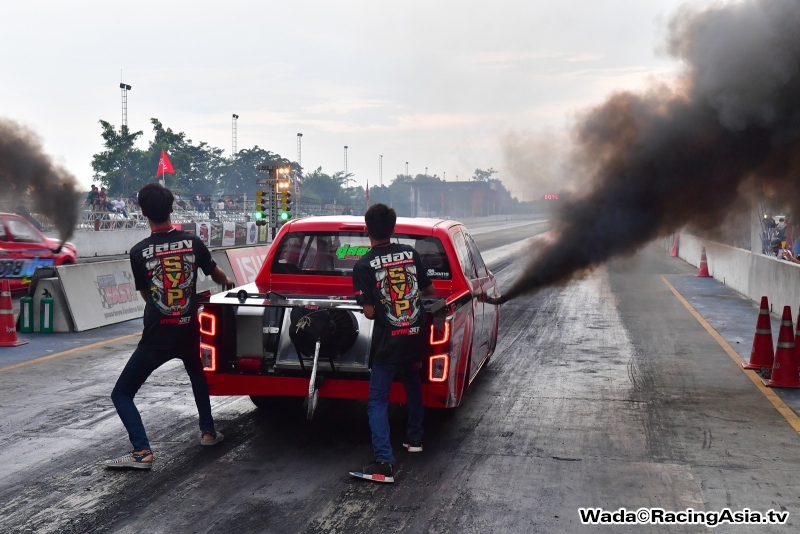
686,153
26,169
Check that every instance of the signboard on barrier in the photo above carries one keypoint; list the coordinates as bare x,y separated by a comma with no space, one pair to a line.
246,262
205,283
104,293
101,293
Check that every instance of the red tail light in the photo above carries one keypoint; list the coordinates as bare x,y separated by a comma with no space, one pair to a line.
208,355
445,335
208,323
439,368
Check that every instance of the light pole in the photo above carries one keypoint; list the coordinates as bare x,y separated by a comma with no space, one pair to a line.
426,171
406,168
297,178
380,170
124,88
345,165
234,120
299,151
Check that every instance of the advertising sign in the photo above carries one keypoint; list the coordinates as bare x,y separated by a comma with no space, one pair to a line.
246,262
252,233
262,234
189,228
204,230
216,234
228,234
100,293
241,233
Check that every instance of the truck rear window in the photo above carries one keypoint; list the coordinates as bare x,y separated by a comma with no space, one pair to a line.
335,253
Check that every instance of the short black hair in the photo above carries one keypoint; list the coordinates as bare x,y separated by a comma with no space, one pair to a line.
380,220
156,202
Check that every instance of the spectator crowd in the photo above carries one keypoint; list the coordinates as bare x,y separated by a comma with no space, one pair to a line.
98,201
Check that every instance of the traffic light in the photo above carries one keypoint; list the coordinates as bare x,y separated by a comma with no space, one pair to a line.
259,214
286,205
285,200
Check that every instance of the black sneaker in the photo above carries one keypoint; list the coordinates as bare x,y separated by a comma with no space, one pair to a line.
376,472
412,446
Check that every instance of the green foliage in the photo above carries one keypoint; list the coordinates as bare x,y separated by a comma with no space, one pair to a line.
325,188
203,169
199,168
483,176
240,174
119,166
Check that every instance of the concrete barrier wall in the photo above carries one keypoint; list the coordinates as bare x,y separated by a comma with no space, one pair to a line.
493,218
752,275
92,244
107,243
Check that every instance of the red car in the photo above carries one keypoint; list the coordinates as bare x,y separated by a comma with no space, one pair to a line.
248,346
23,248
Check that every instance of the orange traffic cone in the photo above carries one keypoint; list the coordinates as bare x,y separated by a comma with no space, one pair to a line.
784,369
8,330
703,272
675,242
762,353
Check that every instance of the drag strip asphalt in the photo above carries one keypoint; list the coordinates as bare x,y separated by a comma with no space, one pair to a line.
607,392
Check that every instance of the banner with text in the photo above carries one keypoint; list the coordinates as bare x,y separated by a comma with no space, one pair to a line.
246,262
100,293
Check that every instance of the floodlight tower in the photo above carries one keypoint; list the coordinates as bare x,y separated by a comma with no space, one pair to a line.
124,88
345,165
299,150
234,134
406,168
380,170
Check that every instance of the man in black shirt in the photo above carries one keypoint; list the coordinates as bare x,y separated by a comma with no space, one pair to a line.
388,281
165,271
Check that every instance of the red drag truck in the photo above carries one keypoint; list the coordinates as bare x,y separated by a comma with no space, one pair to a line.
247,334
23,248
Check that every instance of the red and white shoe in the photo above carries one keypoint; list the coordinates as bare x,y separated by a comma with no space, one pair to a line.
412,446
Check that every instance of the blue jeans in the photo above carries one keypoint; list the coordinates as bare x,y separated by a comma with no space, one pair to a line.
380,382
141,364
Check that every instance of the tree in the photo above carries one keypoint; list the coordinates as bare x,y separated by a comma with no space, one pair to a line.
483,176
240,174
198,168
326,188
118,167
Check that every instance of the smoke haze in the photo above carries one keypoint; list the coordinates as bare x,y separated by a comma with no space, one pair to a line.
538,163
687,153
25,168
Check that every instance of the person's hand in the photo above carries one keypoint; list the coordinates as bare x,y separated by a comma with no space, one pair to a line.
228,284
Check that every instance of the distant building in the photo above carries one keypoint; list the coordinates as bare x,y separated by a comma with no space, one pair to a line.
454,200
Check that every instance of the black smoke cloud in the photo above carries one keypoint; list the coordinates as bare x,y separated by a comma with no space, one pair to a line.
25,168
686,153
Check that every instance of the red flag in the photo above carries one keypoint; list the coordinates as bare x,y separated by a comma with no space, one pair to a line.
367,190
164,164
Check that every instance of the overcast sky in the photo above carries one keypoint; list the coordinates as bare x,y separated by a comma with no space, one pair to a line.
437,84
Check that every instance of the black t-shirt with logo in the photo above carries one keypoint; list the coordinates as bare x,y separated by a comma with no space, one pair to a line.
165,266
391,278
